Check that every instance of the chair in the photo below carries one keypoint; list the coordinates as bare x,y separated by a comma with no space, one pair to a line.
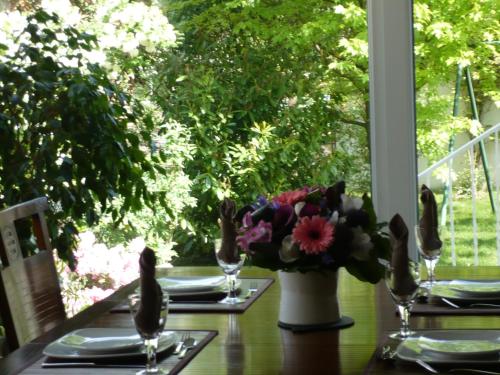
30,296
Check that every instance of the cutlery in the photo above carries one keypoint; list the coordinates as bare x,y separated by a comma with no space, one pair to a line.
387,353
482,304
448,302
252,290
189,344
187,302
479,304
432,370
180,344
87,364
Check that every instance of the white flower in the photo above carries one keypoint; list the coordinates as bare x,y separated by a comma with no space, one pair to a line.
339,9
69,14
334,219
361,244
351,203
298,207
289,250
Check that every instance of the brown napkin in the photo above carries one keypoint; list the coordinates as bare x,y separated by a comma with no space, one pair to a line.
429,221
229,250
404,284
148,315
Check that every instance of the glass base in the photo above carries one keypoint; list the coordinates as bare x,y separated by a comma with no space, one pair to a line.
232,300
399,336
427,285
146,372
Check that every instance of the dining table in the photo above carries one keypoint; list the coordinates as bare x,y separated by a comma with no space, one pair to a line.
251,342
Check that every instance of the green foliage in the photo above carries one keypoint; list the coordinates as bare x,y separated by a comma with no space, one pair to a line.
264,90
70,134
259,97
448,33
270,90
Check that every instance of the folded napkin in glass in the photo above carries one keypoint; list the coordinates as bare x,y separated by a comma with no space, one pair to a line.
475,347
105,343
467,290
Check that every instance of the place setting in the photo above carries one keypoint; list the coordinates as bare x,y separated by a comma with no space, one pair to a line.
432,351
146,348
448,297
225,293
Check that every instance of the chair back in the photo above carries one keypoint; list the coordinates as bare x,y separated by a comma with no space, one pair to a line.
30,296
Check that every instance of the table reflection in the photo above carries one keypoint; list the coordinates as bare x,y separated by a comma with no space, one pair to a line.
235,349
310,353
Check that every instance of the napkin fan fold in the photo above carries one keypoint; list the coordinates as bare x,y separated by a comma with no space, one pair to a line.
148,315
429,221
404,283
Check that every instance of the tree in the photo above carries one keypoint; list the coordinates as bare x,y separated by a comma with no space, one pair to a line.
275,93
259,88
68,133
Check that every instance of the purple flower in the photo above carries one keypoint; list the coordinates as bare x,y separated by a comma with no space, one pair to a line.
261,233
261,201
283,216
310,210
327,259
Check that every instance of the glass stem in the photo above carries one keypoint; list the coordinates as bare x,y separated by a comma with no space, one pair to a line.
430,264
151,346
231,283
404,313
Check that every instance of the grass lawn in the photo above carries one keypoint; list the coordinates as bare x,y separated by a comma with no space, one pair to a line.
464,248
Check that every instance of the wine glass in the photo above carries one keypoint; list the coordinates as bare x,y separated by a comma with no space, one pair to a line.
231,265
403,282
149,329
429,246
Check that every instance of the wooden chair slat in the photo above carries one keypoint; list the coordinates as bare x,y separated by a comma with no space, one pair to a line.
30,296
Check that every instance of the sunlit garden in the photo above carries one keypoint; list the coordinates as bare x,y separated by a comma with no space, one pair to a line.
137,118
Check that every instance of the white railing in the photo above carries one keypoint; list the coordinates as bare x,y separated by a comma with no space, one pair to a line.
448,160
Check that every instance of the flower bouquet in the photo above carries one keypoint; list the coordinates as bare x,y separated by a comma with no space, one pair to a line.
314,228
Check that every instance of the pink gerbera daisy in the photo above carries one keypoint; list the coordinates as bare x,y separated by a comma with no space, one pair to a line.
313,234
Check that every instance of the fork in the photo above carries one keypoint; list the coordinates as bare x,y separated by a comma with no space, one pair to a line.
180,344
432,370
189,344
452,304
252,289
387,353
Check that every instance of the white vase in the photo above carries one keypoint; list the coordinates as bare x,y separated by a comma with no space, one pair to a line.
309,301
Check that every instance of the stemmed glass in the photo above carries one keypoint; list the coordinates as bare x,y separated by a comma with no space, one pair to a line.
429,246
231,266
149,336
403,286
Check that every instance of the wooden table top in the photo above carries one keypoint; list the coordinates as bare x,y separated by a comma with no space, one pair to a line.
251,343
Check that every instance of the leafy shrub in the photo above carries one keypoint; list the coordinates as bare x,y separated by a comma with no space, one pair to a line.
69,133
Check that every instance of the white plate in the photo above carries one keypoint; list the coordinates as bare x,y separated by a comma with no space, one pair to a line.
88,343
192,284
174,285
452,347
462,290
488,289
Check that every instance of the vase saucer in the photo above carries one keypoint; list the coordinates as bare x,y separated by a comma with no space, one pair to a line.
343,322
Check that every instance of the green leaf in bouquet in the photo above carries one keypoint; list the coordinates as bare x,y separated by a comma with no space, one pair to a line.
368,207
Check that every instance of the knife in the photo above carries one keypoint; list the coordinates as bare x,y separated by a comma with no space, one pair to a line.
187,302
87,364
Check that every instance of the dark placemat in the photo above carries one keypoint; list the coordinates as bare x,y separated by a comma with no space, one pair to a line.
211,305
167,361
434,306
379,366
